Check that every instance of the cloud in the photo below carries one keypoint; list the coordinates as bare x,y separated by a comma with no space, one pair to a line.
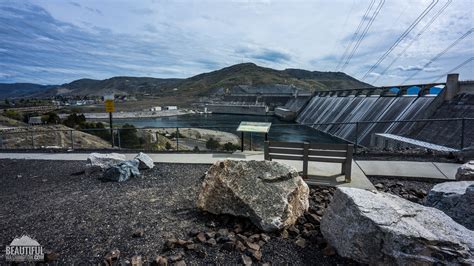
418,68
59,41
264,54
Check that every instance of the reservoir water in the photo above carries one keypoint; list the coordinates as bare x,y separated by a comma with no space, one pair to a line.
279,131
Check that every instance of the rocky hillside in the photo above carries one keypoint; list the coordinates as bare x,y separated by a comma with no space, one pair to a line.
199,85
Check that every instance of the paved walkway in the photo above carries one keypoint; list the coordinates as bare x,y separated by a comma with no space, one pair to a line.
430,170
320,173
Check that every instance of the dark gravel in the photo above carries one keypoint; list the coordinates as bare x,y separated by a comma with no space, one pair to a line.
82,218
413,190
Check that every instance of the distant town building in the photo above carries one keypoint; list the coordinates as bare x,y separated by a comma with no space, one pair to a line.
171,107
156,108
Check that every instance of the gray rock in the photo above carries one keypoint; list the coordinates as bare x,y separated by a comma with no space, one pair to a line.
146,162
379,228
466,171
456,199
122,171
271,194
98,162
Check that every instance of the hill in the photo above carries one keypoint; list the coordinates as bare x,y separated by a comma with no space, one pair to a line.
18,90
204,84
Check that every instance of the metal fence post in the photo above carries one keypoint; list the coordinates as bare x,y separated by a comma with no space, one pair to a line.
118,138
463,124
356,138
177,139
112,136
72,140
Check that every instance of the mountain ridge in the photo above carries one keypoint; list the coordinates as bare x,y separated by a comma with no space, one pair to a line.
196,86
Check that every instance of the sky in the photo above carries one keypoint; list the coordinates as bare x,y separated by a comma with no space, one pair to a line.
58,41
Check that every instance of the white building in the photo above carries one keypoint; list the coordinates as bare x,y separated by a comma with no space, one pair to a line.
156,108
171,107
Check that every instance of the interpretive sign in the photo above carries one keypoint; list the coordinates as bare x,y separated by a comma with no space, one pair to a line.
253,127
257,127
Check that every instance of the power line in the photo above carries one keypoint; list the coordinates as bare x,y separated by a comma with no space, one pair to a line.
413,40
440,54
366,29
372,2
455,68
400,39
343,26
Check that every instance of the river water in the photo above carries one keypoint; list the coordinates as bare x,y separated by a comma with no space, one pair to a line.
279,131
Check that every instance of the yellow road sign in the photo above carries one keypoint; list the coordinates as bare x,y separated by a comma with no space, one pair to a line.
109,106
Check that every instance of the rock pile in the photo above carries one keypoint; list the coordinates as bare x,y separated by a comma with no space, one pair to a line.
466,171
115,167
271,194
229,233
381,228
456,199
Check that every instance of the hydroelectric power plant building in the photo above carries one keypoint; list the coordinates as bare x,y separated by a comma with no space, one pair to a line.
385,117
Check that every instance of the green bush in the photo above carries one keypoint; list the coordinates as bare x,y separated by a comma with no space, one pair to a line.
231,147
212,144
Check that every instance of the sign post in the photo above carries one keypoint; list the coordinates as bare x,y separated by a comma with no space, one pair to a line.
110,108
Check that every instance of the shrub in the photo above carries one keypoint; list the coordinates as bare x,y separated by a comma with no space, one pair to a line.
212,144
231,147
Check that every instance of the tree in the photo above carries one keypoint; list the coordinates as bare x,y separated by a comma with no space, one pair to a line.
129,137
51,118
74,120
168,146
212,144
7,102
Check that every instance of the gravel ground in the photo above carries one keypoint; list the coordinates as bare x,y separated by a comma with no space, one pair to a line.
412,190
81,219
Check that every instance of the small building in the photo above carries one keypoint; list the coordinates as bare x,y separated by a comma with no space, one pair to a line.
156,108
35,120
171,107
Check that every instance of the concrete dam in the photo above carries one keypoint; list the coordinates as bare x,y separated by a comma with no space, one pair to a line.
350,114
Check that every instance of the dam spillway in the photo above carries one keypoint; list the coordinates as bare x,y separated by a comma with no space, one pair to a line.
336,115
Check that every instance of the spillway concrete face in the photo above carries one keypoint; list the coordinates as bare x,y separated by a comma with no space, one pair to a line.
358,116
337,115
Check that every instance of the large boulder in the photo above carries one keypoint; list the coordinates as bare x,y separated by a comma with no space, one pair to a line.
146,162
271,194
99,162
456,199
122,171
466,171
379,228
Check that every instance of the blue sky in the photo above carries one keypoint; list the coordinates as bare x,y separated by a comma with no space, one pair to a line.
57,41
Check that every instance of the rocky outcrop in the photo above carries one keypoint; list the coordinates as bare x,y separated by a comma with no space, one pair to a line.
466,171
379,228
98,162
456,199
271,194
122,171
145,161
